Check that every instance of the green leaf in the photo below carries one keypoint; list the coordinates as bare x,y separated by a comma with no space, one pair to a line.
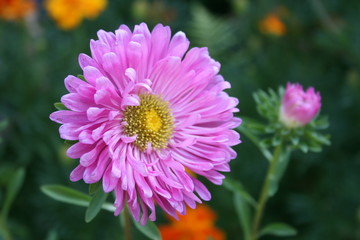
94,187
243,212
95,205
60,106
52,235
71,196
263,148
304,147
3,124
278,229
281,166
237,187
13,188
211,31
66,195
150,230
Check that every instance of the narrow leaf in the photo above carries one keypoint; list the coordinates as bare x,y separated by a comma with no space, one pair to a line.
237,187
150,230
71,196
66,195
94,187
243,212
95,205
278,229
13,188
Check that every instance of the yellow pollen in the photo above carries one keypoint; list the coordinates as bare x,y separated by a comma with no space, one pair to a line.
151,121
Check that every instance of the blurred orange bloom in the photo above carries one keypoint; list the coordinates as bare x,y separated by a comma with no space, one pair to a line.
272,25
196,224
16,9
68,14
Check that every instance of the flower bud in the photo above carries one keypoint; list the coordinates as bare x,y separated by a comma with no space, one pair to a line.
298,107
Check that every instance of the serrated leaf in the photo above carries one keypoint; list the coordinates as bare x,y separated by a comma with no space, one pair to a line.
211,31
95,205
150,230
278,229
71,196
60,106
237,187
12,190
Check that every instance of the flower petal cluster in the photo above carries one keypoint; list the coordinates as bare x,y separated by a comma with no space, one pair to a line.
298,108
16,9
197,224
68,14
149,109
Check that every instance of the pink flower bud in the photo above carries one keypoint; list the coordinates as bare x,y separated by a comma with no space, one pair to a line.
298,107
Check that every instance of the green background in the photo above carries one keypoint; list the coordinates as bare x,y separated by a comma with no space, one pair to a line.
319,194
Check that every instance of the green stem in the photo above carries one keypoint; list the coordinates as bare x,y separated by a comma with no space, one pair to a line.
127,224
256,141
265,191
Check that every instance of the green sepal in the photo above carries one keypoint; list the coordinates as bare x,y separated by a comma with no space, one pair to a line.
70,142
81,77
60,106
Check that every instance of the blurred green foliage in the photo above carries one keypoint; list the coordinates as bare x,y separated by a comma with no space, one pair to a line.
319,194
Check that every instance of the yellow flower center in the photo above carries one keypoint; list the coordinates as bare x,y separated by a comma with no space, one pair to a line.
151,121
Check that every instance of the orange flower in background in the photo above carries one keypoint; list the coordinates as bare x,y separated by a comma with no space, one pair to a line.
197,224
68,14
16,9
272,24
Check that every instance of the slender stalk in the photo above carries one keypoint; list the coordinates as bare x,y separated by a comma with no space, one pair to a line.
127,227
265,192
4,231
256,141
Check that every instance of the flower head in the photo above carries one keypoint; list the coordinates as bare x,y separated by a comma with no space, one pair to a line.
148,110
272,25
298,107
16,9
197,224
68,14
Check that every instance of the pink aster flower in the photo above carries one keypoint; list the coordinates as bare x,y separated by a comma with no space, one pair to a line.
298,107
147,110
